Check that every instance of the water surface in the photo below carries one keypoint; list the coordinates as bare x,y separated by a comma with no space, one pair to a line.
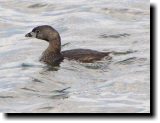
118,85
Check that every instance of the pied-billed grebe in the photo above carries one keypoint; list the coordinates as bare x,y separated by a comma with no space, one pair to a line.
53,53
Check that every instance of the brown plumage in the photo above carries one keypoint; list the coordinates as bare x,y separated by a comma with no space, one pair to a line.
53,53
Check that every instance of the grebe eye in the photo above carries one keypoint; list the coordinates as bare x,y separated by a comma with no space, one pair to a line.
37,31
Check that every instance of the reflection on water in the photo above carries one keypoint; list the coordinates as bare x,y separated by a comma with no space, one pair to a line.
121,84
114,36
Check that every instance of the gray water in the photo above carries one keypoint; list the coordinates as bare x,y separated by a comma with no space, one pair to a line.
121,84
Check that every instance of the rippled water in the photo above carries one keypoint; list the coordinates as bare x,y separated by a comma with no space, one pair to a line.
119,85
